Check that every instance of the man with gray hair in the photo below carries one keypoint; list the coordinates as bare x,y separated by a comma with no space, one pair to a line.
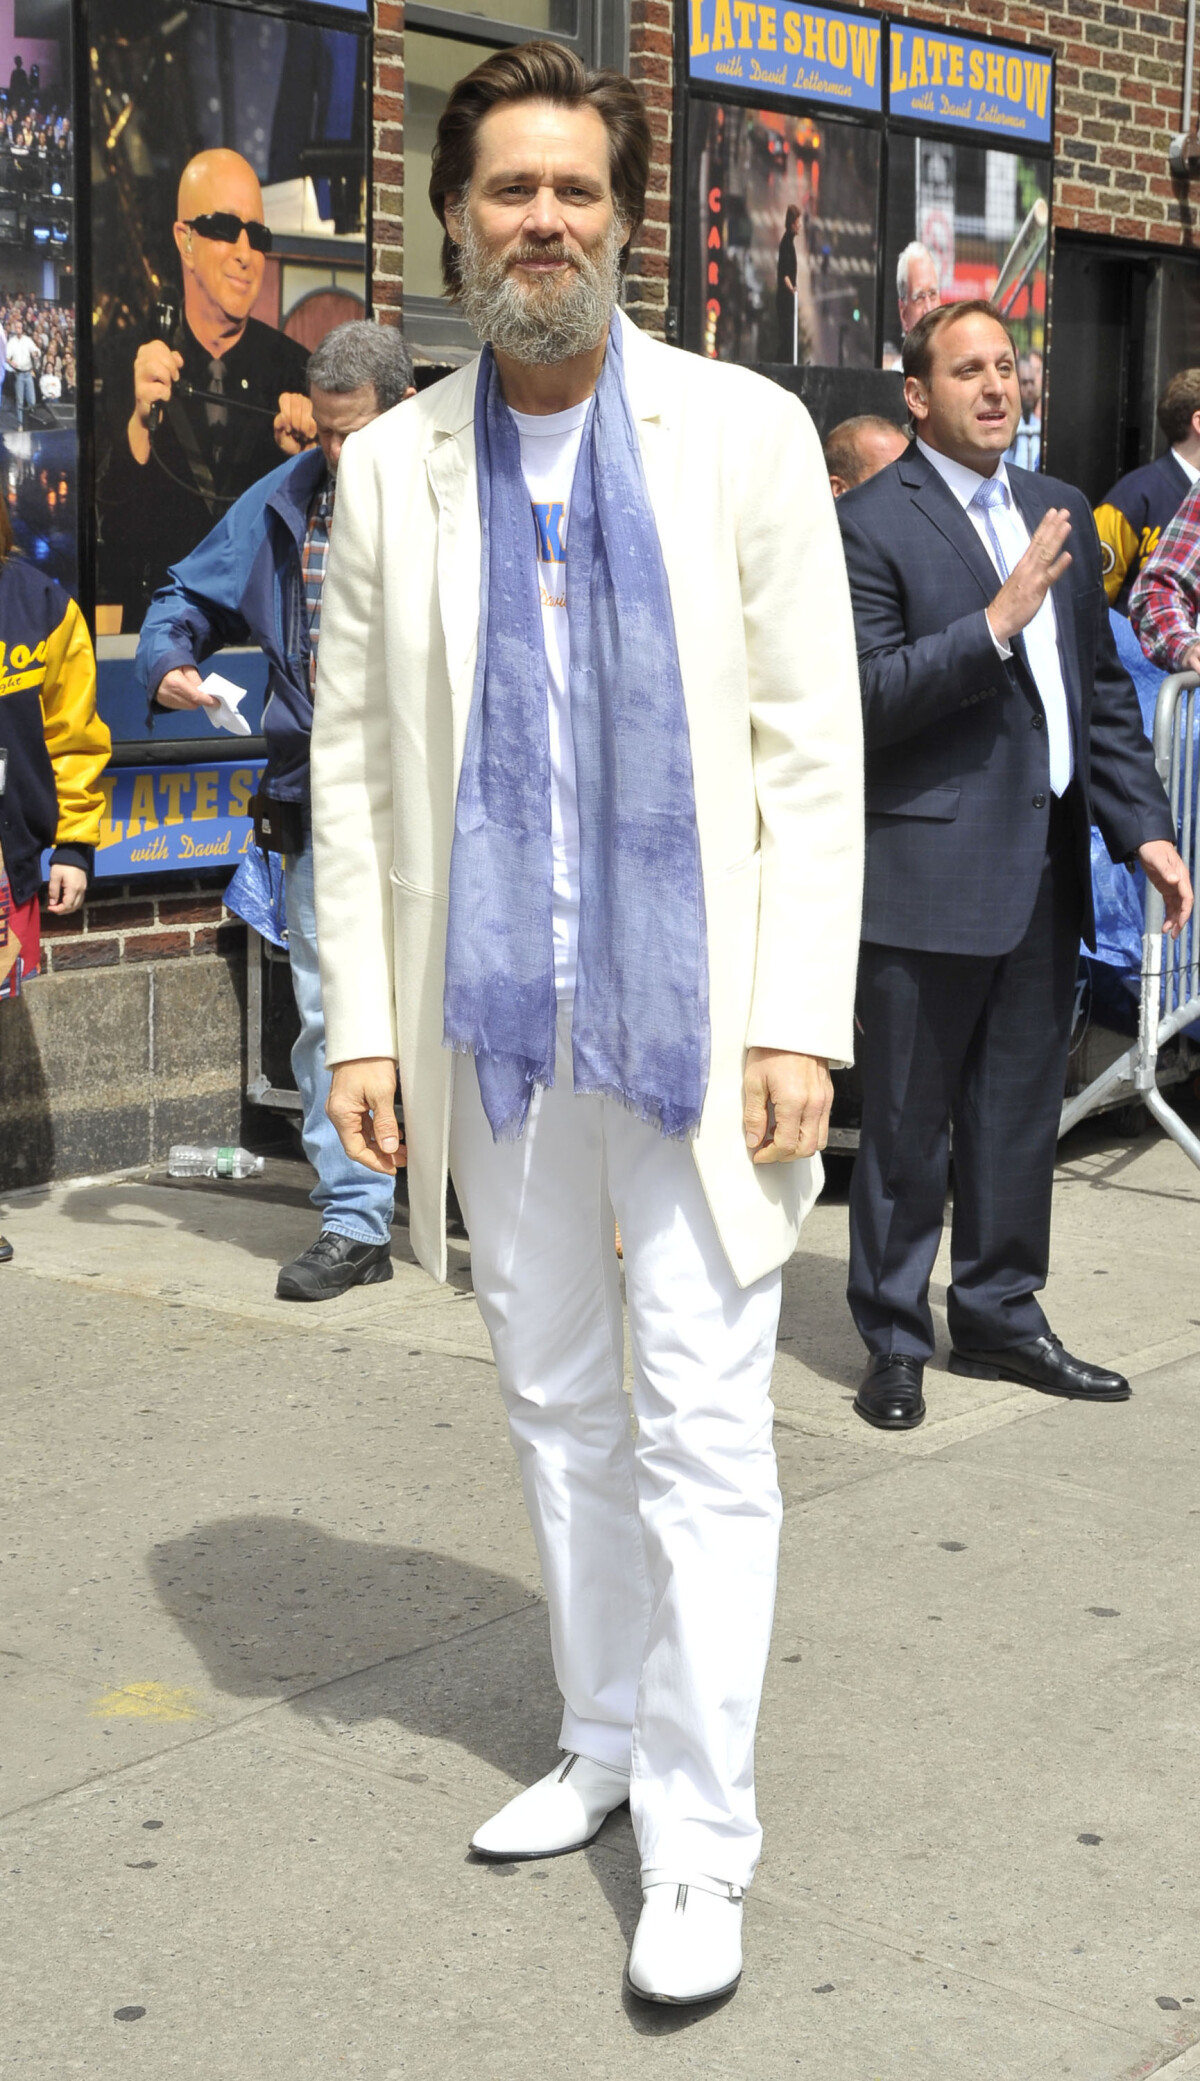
258,574
918,286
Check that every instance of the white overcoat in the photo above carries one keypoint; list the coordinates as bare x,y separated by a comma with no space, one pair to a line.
770,678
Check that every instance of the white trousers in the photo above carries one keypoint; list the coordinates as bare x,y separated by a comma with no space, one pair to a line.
658,1553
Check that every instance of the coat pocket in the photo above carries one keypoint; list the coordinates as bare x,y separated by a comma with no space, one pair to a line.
909,799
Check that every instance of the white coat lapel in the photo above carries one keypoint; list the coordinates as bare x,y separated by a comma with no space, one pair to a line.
451,467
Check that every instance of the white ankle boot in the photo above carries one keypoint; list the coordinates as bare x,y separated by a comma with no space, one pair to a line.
563,1811
688,1943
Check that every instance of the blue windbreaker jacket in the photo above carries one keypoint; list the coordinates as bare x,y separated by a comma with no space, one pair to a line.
243,584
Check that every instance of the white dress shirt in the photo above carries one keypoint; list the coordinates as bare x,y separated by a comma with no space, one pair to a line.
1189,469
1041,634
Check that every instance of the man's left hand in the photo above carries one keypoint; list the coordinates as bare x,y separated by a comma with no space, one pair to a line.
1170,877
787,1101
295,427
68,886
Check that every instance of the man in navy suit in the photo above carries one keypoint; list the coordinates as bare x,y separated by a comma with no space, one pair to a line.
999,726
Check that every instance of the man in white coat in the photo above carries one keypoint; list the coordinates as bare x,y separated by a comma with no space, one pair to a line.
588,828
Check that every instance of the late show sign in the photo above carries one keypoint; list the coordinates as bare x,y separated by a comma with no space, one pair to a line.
991,87
813,53
821,54
161,819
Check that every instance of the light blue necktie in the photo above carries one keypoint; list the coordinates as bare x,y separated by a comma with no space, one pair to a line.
990,494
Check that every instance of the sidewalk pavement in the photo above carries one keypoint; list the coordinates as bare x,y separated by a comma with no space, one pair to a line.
274,1645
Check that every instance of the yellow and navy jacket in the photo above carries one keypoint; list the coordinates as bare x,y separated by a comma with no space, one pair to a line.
53,744
1131,519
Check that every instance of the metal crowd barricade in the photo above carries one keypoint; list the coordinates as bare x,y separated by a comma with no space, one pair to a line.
1170,996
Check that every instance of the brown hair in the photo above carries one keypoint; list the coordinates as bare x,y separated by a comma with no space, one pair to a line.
916,355
1179,401
540,72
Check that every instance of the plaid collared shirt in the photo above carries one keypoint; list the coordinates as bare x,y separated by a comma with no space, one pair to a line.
1164,605
313,558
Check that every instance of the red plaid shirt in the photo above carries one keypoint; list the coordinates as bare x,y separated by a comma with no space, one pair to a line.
313,558
1164,605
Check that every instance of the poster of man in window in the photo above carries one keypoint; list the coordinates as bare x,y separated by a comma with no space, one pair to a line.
228,238
37,284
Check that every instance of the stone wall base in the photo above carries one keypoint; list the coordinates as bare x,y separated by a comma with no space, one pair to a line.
102,1069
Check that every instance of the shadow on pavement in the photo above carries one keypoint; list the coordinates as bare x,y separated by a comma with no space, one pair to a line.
273,1604
436,1646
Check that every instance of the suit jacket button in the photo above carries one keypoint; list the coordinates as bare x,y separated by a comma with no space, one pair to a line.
1039,801
1039,720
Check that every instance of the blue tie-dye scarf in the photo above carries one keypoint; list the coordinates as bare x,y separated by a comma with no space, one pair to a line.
640,1030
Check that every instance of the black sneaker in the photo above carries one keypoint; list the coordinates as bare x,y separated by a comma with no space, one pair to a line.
332,1265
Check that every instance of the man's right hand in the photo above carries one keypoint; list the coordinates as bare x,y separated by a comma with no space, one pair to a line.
362,1107
1191,659
155,374
1042,565
182,689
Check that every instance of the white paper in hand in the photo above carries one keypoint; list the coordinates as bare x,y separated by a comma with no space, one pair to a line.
227,714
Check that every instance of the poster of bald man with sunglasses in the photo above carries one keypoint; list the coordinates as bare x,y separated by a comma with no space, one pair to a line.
211,228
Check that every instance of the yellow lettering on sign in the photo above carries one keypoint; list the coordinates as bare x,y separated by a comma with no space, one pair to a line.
110,833
995,72
1012,79
767,38
975,74
937,52
793,41
745,10
142,814
241,787
864,51
918,76
699,39
956,71
837,45
206,794
172,785
1037,84
899,76
814,37
722,27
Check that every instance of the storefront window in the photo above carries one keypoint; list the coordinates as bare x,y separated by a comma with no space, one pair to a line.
553,17
38,384
983,216
784,237
822,145
432,67
229,184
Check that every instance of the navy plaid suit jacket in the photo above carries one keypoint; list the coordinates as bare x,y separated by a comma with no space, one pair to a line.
957,772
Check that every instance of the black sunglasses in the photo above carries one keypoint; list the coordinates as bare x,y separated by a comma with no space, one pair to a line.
222,224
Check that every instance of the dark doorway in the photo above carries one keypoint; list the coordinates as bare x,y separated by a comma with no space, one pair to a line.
1124,320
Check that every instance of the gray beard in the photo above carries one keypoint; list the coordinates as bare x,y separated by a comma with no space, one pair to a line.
538,326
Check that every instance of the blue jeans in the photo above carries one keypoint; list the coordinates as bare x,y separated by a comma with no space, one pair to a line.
352,1201
26,394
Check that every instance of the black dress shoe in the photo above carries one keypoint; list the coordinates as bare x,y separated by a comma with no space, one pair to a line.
890,1396
1044,1365
332,1265
6,1250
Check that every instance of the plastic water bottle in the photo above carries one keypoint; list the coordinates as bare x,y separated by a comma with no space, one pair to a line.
185,1161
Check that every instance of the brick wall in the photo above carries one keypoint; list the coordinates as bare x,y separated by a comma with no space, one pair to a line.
387,258
651,65
1119,94
129,924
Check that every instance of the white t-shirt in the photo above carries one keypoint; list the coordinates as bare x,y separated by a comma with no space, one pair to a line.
549,453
